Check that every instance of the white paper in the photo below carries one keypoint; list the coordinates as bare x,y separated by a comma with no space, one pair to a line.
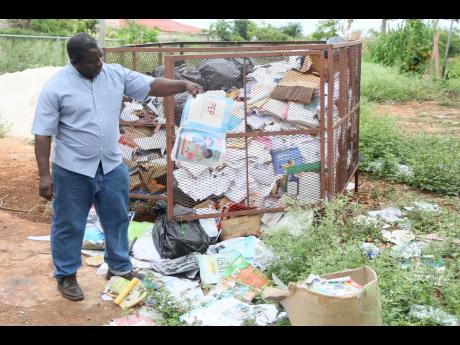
210,227
40,238
144,248
156,141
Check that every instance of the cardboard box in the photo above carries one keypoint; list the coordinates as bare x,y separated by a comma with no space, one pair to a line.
240,226
309,308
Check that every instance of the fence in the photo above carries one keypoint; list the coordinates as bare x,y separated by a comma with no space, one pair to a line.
294,126
20,52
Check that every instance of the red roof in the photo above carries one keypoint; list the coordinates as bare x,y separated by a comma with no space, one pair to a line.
164,25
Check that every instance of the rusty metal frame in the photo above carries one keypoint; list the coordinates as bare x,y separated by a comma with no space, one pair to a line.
169,55
170,123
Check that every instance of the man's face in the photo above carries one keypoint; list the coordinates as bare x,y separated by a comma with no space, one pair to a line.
90,64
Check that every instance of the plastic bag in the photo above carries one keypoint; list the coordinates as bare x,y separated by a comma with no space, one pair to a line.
173,239
201,137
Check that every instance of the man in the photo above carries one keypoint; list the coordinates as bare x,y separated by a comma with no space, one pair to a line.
80,106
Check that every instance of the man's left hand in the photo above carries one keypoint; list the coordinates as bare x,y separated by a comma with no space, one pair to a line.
193,88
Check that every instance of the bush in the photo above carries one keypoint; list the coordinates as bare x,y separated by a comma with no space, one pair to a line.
333,244
408,47
134,34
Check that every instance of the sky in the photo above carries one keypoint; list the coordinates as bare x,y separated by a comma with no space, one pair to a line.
309,24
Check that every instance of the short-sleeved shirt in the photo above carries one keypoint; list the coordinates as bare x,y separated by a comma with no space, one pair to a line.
83,115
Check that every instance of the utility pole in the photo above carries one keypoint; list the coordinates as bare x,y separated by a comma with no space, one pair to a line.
102,32
447,49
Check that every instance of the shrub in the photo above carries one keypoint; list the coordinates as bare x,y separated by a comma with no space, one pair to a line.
408,47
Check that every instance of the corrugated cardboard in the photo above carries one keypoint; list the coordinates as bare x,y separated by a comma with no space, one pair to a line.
309,308
240,226
295,78
293,93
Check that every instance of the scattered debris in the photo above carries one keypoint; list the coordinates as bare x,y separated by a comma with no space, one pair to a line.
390,214
133,320
423,312
40,238
370,250
94,260
398,237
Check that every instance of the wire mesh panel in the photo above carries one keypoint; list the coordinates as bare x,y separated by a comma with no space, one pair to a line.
273,136
292,127
345,115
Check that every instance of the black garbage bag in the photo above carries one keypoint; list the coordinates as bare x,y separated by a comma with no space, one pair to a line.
220,74
173,239
239,63
182,72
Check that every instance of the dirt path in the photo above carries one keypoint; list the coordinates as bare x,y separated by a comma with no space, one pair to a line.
426,116
28,294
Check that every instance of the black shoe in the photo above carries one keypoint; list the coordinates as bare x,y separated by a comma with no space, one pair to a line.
69,288
128,276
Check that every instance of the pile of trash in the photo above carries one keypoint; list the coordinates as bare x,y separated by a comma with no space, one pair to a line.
218,280
279,96
408,247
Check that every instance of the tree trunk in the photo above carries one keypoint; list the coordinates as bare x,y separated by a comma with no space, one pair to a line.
435,51
383,27
447,49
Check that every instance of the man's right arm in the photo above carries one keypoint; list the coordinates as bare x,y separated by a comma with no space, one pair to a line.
42,154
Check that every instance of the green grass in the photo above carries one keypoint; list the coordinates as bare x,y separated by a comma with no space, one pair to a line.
332,244
434,159
382,83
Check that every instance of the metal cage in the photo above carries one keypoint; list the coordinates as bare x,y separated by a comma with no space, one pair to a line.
301,139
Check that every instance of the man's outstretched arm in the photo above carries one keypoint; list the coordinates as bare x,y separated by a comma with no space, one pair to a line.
162,87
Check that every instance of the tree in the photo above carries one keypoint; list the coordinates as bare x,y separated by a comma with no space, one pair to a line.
268,32
326,29
435,51
135,33
221,29
244,28
447,47
383,27
292,29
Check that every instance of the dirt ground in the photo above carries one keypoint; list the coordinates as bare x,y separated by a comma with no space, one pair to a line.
28,294
425,116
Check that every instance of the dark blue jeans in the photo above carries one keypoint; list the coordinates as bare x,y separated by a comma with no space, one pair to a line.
74,196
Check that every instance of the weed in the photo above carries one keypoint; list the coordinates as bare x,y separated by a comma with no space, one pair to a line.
333,245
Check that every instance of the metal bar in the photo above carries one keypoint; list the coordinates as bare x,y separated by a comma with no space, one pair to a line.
330,133
169,112
229,214
347,115
57,52
356,179
245,129
355,170
272,134
215,49
243,55
346,44
322,176
223,43
147,197
32,36
358,97
134,60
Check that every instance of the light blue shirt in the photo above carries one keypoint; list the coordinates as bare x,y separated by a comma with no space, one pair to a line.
83,115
